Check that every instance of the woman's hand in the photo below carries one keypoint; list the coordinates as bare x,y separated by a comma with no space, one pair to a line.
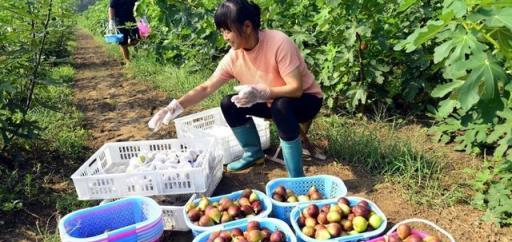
165,115
248,95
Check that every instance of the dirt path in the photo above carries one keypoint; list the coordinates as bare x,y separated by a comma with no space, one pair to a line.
117,108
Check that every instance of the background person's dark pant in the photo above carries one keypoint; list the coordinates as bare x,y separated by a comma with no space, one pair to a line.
286,113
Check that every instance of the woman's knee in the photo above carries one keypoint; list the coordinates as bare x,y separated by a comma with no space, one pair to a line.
226,103
281,106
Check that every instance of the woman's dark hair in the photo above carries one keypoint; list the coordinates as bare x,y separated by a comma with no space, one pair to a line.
232,14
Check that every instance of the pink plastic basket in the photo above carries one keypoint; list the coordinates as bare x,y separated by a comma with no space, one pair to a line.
422,234
144,29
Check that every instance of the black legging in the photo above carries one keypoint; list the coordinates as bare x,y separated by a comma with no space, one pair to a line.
286,112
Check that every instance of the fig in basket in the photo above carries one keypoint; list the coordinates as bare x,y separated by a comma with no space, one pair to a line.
282,194
337,219
405,233
207,213
254,233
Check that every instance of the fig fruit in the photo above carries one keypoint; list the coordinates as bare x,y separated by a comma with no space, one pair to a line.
244,201
343,200
333,217
277,236
431,238
266,234
363,46
347,224
363,203
253,197
311,211
334,229
194,214
315,196
322,218
361,210
256,206
360,224
253,225
325,208
255,236
247,210
303,198
413,238
403,231
375,221
280,190
292,199
344,208
236,232
312,190
246,193
205,221
322,234
278,197
225,217
311,222
308,231
233,210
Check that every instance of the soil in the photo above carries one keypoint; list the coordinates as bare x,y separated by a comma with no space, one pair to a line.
117,108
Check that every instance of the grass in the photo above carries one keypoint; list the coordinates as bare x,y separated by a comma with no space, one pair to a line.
380,149
176,81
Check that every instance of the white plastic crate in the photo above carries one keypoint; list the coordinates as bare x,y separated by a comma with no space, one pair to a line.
173,214
93,180
212,122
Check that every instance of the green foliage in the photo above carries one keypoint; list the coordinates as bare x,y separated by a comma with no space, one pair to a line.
35,37
184,35
493,185
473,51
474,55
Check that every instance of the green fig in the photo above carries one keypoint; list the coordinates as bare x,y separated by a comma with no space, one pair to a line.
203,203
253,197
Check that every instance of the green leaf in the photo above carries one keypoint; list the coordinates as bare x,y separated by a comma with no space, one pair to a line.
503,37
442,51
428,32
446,108
482,81
405,4
443,89
499,18
457,6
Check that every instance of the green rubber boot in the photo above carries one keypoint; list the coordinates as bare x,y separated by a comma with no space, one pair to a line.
292,154
247,136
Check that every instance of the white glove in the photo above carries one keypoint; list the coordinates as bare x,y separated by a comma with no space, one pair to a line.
165,115
248,95
111,25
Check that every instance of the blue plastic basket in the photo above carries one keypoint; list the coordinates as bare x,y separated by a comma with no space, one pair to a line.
127,219
356,237
266,208
270,223
113,38
330,187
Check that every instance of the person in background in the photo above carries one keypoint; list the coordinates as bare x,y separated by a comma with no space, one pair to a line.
274,83
120,14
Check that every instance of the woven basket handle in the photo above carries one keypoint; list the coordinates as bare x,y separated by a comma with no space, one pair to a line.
419,220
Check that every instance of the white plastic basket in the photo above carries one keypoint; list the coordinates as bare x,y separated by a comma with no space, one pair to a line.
93,180
211,122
